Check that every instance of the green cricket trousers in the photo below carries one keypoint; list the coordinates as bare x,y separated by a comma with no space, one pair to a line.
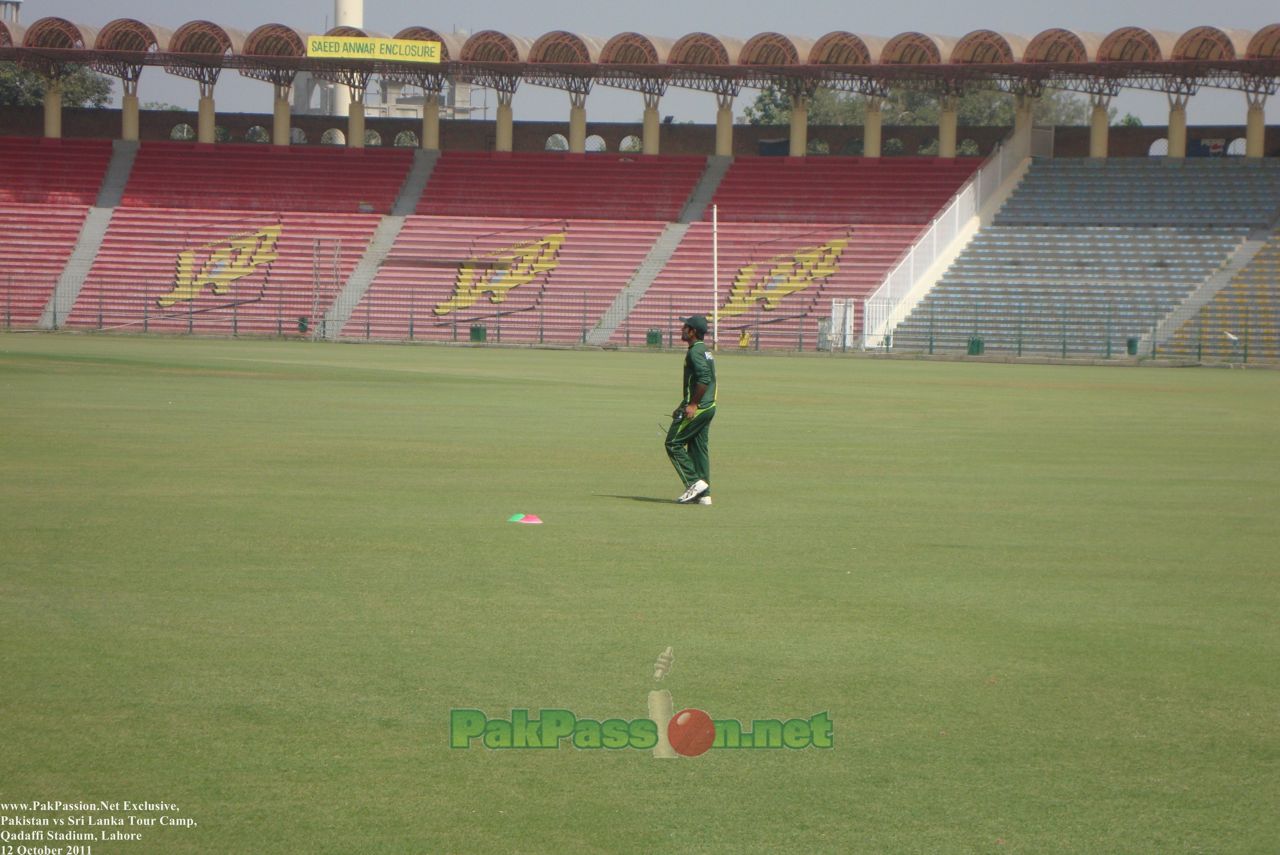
687,446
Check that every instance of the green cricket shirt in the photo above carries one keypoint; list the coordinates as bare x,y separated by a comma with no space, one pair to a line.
699,367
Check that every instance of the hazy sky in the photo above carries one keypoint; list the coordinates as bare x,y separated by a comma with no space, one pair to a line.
674,18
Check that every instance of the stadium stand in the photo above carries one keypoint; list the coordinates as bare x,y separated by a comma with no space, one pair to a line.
38,239
252,239
1243,319
219,272
46,188
793,236
52,172
552,185
1056,291
774,278
883,191
245,177
236,238
1085,256
1194,192
522,280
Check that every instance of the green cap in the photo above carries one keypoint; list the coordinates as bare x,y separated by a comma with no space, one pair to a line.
697,322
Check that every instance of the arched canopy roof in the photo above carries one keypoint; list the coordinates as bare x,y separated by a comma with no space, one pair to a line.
1239,41
350,32
275,40
274,43
1129,44
635,49
983,47
699,49
58,34
912,49
1265,43
563,48
203,37
127,34
450,44
1204,43
1057,45
493,46
769,49
10,34
840,48
1127,57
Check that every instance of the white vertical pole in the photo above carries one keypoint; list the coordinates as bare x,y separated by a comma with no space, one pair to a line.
715,277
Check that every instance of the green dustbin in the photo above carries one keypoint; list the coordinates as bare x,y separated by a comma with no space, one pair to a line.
653,338
1131,345
479,332
976,345
304,324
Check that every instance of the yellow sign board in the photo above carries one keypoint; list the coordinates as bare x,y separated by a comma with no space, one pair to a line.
387,50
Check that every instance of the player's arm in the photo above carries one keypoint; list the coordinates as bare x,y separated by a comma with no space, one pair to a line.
702,372
691,409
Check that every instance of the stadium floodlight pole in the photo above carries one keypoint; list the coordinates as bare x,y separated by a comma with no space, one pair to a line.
714,277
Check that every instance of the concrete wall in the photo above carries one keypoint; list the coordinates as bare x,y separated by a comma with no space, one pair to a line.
471,135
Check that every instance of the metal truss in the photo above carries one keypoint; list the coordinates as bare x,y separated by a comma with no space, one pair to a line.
1251,76
650,81
558,77
270,70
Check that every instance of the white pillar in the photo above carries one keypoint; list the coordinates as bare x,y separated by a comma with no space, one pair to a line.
577,122
206,116
724,125
355,122
504,132
280,130
53,110
129,119
799,125
1099,125
872,129
431,121
1177,125
948,118
652,128
1023,117
1255,133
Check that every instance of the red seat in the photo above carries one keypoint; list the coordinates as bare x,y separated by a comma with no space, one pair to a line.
596,186
567,271
52,171
38,240
899,190
749,255
156,270
244,177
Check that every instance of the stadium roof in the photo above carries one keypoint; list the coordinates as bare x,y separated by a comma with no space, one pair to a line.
1130,57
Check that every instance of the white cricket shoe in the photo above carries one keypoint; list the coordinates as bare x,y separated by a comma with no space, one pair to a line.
696,489
704,500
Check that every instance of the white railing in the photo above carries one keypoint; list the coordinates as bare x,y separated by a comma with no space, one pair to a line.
881,310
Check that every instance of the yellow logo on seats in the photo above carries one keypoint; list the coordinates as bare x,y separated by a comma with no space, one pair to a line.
781,276
224,261
499,271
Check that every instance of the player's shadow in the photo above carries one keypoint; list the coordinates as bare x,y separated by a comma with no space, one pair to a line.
636,498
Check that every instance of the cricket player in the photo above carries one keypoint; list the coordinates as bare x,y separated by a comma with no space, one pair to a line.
690,423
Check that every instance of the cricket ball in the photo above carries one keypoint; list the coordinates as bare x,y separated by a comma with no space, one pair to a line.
691,732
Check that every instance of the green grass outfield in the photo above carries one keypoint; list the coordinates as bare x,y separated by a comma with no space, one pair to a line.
252,578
